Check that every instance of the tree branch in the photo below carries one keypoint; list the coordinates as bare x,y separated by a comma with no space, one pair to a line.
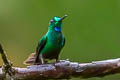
62,70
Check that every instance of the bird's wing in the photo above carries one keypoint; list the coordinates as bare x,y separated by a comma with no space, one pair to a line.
34,57
40,46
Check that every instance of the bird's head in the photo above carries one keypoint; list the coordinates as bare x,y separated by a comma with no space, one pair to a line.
56,23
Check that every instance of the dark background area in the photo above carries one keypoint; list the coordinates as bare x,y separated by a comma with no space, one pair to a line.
92,29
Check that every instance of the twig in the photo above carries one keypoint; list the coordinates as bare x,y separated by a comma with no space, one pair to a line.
7,69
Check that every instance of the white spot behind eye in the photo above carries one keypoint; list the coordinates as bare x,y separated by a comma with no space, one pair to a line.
51,21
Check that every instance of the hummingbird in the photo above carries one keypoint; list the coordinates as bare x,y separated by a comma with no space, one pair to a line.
50,44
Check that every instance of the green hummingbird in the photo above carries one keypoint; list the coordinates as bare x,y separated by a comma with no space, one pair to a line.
50,44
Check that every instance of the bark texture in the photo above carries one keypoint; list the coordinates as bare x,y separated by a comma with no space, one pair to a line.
61,70
65,70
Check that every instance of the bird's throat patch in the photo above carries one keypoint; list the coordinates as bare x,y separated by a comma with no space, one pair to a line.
57,28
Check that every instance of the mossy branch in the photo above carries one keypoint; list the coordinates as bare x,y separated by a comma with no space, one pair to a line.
61,70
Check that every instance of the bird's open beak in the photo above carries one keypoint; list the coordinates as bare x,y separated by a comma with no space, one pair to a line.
63,17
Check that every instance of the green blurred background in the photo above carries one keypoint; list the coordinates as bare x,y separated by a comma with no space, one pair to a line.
92,29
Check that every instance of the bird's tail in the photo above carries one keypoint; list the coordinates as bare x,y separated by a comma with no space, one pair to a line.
30,60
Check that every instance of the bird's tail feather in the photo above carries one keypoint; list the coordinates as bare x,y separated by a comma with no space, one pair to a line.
31,59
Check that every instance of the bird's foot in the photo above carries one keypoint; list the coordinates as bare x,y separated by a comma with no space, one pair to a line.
57,61
37,64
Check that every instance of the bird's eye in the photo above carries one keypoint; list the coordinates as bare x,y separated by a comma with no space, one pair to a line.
51,21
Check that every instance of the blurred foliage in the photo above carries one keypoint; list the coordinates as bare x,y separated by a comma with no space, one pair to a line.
92,28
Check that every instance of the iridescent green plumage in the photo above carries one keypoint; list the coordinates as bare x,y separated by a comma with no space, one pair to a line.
50,44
